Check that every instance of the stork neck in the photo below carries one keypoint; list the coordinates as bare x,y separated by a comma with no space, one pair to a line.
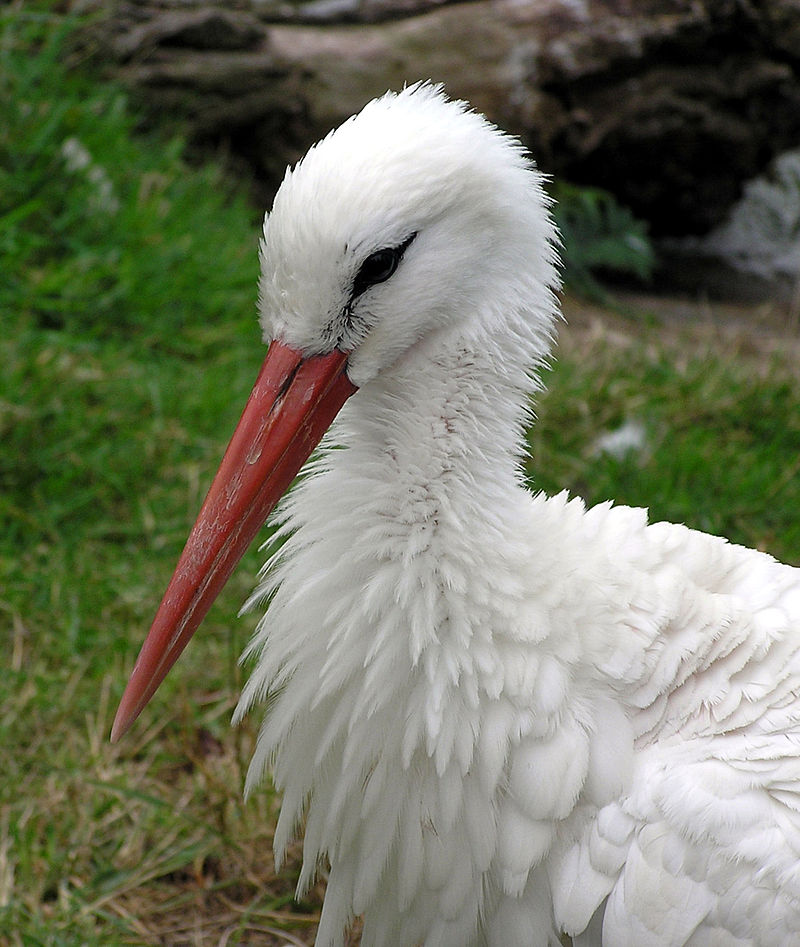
448,417
398,543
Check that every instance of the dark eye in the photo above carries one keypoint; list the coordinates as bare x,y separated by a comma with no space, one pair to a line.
379,266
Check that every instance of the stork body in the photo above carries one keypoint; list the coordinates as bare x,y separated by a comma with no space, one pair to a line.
498,716
501,708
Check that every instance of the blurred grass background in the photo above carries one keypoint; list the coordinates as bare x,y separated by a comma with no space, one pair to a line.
129,343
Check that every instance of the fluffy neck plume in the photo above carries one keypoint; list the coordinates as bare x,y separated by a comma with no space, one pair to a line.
377,652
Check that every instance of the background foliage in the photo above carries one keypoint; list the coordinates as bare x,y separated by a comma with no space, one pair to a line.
600,237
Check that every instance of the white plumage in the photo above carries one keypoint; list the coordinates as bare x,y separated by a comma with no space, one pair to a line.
498,716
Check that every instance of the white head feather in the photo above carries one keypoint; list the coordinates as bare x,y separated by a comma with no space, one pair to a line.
411,163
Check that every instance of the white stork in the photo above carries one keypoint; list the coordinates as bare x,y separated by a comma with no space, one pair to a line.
498,716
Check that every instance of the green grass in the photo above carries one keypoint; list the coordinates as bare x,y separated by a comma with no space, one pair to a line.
721,429
129,344
128,348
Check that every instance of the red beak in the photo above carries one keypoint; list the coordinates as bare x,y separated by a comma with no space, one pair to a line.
292,404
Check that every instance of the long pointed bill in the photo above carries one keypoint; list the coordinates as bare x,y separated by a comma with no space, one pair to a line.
292,404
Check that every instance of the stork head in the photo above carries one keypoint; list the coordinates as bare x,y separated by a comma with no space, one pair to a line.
414,216
414,213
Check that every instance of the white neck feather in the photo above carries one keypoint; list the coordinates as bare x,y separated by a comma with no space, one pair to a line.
380,647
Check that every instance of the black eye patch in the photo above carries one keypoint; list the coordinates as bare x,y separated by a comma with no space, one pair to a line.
379,266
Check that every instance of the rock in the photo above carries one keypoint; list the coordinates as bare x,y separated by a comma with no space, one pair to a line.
200,29
755,252
670,104
761,235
